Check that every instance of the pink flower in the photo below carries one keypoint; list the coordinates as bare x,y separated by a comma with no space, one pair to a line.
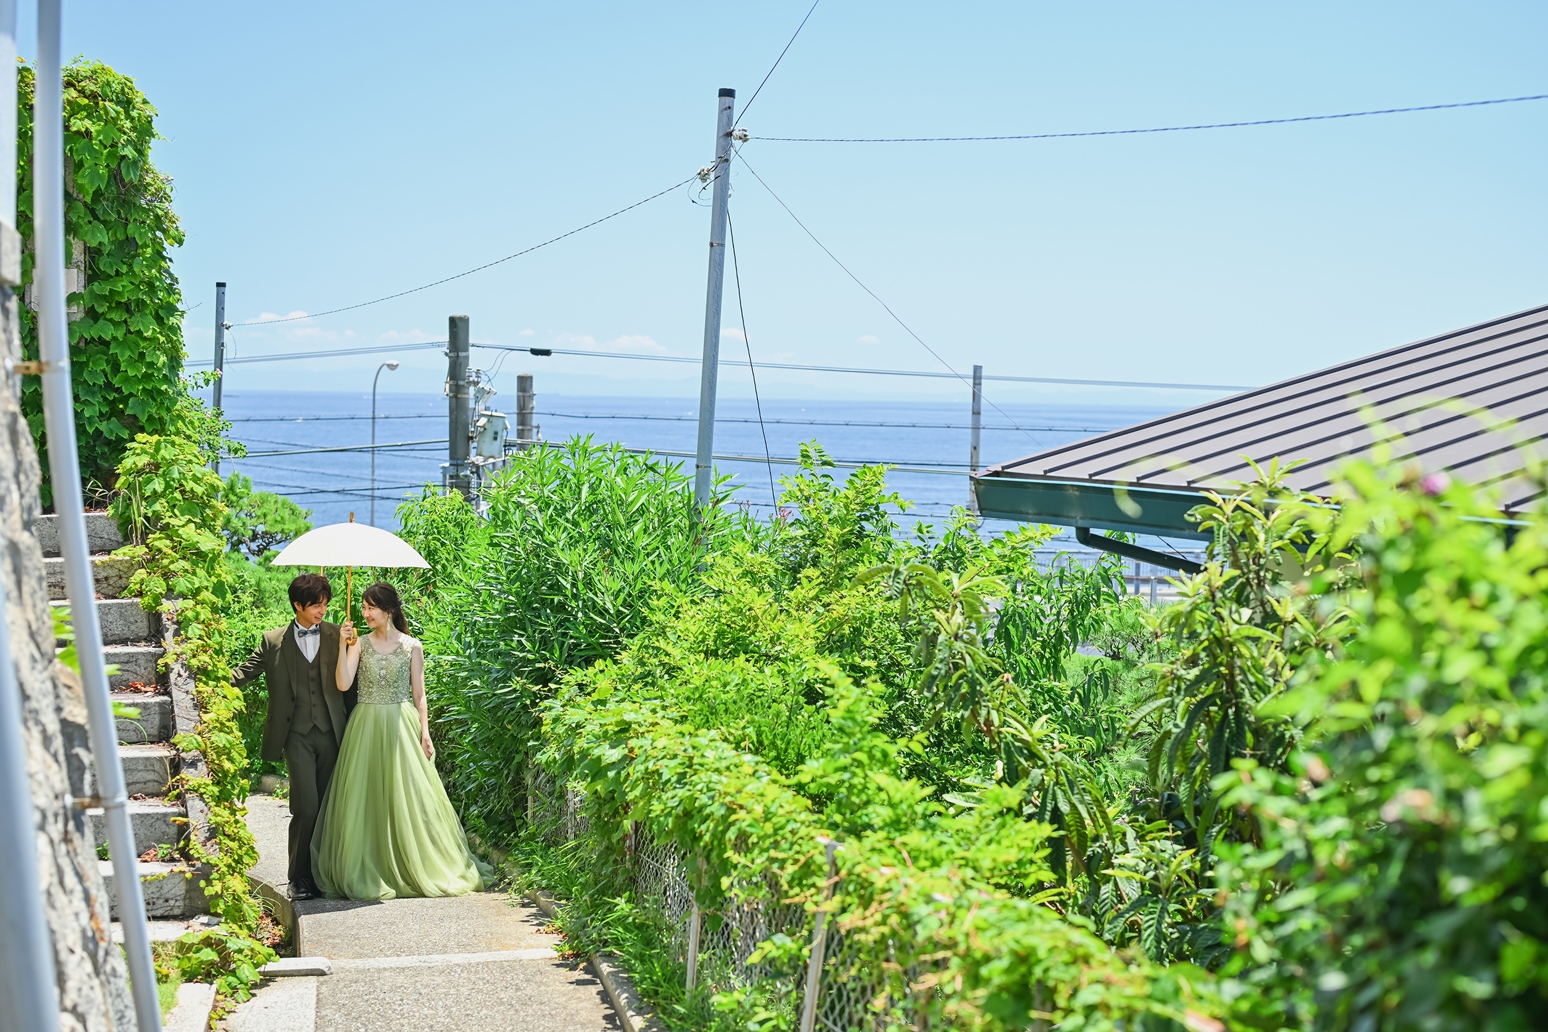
1434,483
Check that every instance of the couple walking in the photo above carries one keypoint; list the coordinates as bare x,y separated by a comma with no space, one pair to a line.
369,818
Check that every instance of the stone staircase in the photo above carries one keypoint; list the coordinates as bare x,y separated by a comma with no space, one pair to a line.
134,642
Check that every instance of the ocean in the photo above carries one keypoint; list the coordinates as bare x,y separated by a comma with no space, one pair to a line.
933,437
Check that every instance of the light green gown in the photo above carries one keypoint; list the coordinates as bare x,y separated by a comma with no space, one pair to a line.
386,828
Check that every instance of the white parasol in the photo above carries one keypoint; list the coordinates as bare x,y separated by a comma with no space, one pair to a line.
349,545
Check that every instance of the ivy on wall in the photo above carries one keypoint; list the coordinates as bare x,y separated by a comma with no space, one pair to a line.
126,341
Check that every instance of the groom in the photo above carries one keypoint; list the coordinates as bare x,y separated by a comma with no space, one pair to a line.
306,712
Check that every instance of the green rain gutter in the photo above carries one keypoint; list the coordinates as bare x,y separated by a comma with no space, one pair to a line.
1094,505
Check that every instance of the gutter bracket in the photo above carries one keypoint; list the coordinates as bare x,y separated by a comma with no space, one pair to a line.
1103,543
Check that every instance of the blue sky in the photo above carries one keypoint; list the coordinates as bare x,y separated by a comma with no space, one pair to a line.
326,154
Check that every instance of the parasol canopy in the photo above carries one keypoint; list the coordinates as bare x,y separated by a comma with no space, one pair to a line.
350,544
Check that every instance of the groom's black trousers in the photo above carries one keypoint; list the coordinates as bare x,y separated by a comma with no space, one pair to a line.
310,756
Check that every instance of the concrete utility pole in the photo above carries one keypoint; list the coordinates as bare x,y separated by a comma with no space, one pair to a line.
525,403
709,370
220,351
978,424
458,425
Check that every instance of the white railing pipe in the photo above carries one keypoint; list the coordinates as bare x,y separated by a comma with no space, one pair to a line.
64,468
29,996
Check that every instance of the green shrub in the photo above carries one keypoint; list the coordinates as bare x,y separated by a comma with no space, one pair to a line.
1402,880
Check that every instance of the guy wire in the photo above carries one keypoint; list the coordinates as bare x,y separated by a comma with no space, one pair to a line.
736,271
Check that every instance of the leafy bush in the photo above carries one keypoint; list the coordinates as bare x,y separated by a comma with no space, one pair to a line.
1401,878
258,522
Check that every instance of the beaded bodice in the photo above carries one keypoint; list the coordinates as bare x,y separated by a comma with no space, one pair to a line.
384,676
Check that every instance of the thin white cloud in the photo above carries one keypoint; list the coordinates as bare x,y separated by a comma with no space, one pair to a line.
868,339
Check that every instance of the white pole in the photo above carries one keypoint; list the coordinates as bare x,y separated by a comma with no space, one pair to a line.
978,421
392,364
709,369
220,355
29,996
64,468
819,943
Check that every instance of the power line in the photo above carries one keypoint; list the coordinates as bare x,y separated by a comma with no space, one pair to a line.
469,272
736,270
327,419
547,352
775,65
794,366
648,417
942,469
348,448
291,356
876,297
805,422
1159,129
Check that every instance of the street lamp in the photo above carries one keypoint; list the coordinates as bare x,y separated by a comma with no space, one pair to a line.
392,364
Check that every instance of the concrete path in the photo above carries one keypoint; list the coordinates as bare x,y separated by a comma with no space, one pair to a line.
470,962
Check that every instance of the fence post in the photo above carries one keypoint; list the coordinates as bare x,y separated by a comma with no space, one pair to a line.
819,939
693,946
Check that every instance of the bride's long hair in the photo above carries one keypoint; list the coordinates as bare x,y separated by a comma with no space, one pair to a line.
384,596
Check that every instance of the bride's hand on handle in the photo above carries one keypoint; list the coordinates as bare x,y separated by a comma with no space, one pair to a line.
350,635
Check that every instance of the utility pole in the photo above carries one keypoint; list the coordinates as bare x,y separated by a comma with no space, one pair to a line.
709,369
220,351
978,424
524,409
459,426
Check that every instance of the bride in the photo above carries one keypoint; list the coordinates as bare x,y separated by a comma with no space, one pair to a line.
386,828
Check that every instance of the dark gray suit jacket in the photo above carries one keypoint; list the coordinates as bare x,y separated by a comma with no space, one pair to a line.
283,667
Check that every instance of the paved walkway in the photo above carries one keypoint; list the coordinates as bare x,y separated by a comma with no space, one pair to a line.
429,965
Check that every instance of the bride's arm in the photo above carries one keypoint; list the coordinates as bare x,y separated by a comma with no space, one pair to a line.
417,679
349,662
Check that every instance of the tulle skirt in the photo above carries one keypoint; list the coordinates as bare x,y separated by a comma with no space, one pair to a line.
386,828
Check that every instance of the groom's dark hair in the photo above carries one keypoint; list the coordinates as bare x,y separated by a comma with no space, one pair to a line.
310,588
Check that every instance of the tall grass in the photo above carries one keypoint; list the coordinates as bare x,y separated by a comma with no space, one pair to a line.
576,542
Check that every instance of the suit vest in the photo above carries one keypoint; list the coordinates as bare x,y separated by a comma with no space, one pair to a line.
309,708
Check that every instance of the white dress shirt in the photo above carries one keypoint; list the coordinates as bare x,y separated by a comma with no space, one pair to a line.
308,642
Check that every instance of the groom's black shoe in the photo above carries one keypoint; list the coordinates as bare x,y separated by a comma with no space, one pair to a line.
303,890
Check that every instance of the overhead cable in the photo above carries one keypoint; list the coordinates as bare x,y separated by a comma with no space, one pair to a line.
752,370
294,356
546,352
800,422
1156,129
469,272
777,60
651,417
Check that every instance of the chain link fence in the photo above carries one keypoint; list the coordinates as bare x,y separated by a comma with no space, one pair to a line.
856,990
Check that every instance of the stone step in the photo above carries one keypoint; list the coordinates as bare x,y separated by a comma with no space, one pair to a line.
155,822
124,621
112,576
101,533
136,664
155,720
148,769
170,890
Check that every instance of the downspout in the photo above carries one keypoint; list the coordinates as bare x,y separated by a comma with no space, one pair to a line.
64,468
1104,543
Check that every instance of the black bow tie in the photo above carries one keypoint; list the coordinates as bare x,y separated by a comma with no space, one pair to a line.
309,632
